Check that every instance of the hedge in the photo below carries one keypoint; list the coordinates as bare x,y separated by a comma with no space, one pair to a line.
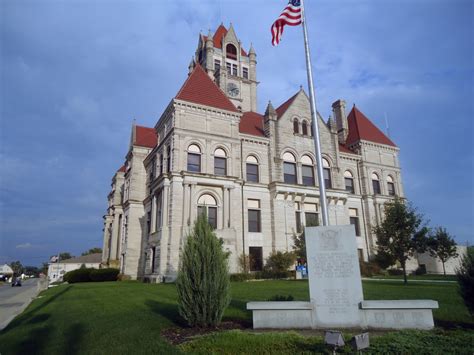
91,275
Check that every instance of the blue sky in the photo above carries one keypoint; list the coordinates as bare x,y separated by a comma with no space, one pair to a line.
74,74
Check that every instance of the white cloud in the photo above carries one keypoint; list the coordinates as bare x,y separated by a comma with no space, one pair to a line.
24,246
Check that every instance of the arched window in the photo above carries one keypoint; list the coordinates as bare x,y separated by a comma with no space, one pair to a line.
207,205
304,128
231,51
296,126
289,168
375,184
390,186
327,174
307,170
220,162
168,157
194,158
349,181
252,169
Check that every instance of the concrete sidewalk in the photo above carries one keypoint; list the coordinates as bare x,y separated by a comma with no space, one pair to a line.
14,300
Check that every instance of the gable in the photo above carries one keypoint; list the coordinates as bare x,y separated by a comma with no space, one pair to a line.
200,89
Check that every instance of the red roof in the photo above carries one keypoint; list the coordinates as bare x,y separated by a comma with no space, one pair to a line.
252,123
199,88
219,35
122,169
344,149
145,137
284,106
361,128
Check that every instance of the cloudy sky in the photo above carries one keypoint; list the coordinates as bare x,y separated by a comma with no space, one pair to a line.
74,74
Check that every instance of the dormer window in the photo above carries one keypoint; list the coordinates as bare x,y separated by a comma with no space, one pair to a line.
231,51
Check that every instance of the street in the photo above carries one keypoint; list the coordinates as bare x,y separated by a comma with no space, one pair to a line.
13,300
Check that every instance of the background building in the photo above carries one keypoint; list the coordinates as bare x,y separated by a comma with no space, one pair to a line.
252,173
57,270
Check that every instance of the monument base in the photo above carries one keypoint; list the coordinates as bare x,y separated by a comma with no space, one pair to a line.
403,314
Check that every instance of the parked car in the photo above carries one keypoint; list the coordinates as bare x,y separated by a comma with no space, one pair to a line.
16,282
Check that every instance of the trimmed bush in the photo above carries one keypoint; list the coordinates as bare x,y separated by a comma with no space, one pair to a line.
79,275
465,275
395,272
203,283
281,298
279,262
100,275
241,277
369,269
123,277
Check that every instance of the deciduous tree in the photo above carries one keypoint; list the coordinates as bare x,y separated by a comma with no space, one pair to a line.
442,246
402,233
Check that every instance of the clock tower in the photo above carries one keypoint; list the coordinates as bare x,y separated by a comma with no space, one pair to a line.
233,69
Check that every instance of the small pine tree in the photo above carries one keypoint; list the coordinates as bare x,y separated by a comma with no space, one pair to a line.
203,282
465,276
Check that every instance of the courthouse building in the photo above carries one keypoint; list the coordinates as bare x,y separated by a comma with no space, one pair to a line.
253,173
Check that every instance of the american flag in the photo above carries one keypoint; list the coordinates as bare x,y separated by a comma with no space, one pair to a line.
290,16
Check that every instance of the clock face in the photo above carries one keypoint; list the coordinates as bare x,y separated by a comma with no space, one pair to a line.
232,90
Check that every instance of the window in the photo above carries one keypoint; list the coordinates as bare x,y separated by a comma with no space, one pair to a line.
390,186
354,220
220,162
245,73
299,222
289,168
208,205
228,67
168,162
296,126
256,258
252,169
327,174
375,184
307,170
158,211
254,216
349,181
217,66
231,51
234,69
311,214
194,158
305,128
148,223
153,254
162,168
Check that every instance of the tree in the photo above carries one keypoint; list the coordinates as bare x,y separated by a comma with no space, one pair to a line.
17,268
279,261
92,251
203,282
299,243
65,256
442,246
465,276
402,233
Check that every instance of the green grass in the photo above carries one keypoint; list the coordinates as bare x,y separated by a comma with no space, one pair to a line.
419,277
127,317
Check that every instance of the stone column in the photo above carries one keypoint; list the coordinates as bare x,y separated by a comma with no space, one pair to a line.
153,213
164,204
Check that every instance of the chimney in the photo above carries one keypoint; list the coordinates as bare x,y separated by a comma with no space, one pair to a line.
339,113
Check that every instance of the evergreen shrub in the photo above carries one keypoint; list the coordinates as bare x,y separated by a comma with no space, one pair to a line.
203,282
79,275
100,275
465,276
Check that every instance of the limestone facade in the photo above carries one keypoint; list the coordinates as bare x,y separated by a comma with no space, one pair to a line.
254,174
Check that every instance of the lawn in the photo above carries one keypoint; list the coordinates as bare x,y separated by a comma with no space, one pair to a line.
127,318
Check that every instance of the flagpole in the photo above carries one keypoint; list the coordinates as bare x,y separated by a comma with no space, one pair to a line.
314,118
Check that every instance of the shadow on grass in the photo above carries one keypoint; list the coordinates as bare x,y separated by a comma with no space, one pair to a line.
28,316
38,318
73,339
451,325
167,310
35,341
